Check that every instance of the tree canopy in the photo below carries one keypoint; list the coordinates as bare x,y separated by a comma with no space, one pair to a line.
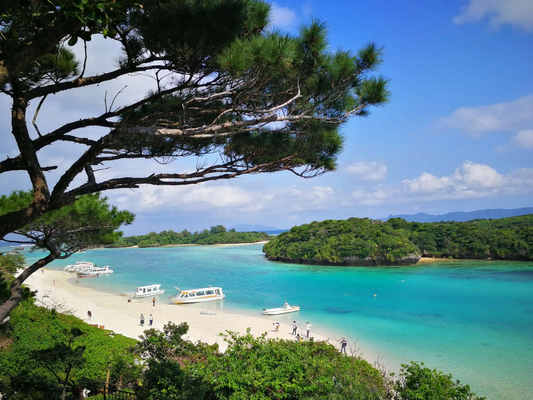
216,235
357,241
89,222
228,90
45,352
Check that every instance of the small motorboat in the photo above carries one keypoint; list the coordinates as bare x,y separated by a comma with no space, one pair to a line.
287,308
148,291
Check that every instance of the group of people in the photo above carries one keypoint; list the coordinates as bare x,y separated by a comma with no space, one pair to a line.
150,320
344,342
295,328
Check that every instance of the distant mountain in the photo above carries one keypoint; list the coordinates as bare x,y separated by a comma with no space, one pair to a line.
464,216
255,228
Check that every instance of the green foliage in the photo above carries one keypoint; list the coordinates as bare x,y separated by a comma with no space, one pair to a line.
216,235
165,353
251,368
261,368
366,242
87,223
421,383
40,345
25,20
9,263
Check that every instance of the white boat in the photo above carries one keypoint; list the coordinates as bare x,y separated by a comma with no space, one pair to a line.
198,295
87,275
287,308
88,268
148,291
78,265
101,270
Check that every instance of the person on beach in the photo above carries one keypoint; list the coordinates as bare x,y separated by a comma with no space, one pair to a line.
308,328
153,301
142,319
294,327
151,319
89,314
299,338
276,326
344,343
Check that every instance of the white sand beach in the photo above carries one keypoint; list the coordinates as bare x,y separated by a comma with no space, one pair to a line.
114,312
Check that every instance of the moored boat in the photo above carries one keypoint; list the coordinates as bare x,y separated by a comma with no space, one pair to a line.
148,291
287,308
78,265
87,275
198,295
87,267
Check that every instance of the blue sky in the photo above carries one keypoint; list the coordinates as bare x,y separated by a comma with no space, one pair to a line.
457,134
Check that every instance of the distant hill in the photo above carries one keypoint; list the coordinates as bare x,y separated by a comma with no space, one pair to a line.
464,216
255,228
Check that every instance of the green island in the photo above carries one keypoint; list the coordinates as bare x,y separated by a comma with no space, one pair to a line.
366,242
216,235
46,353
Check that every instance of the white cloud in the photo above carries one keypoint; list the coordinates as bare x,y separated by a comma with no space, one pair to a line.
469,181
222,199
368,171
425,183
511,116
283,17
518,13
523,139
478,176
469,177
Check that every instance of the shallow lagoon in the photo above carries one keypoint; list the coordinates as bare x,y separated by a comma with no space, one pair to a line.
471,319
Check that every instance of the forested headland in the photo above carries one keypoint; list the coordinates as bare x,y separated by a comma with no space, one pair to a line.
216,235
362,241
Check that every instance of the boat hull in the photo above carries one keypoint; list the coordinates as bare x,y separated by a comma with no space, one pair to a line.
151,294
281,310
197,299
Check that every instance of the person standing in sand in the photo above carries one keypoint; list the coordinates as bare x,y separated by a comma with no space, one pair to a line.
294,327
343,345
151,319
308,328
153,301
89,314
276,326
142,319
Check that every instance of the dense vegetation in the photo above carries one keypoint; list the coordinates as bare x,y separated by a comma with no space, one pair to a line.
216,235
44,353
366,242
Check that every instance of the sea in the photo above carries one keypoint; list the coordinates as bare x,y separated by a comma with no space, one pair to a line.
470,319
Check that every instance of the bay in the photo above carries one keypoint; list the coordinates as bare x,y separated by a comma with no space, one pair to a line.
471,319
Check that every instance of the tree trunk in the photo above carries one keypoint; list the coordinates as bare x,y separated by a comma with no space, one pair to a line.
16,286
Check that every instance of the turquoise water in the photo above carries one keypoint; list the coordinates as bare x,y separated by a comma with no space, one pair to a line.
471,319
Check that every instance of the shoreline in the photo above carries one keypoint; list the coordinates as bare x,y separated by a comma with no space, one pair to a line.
182,245
57,288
